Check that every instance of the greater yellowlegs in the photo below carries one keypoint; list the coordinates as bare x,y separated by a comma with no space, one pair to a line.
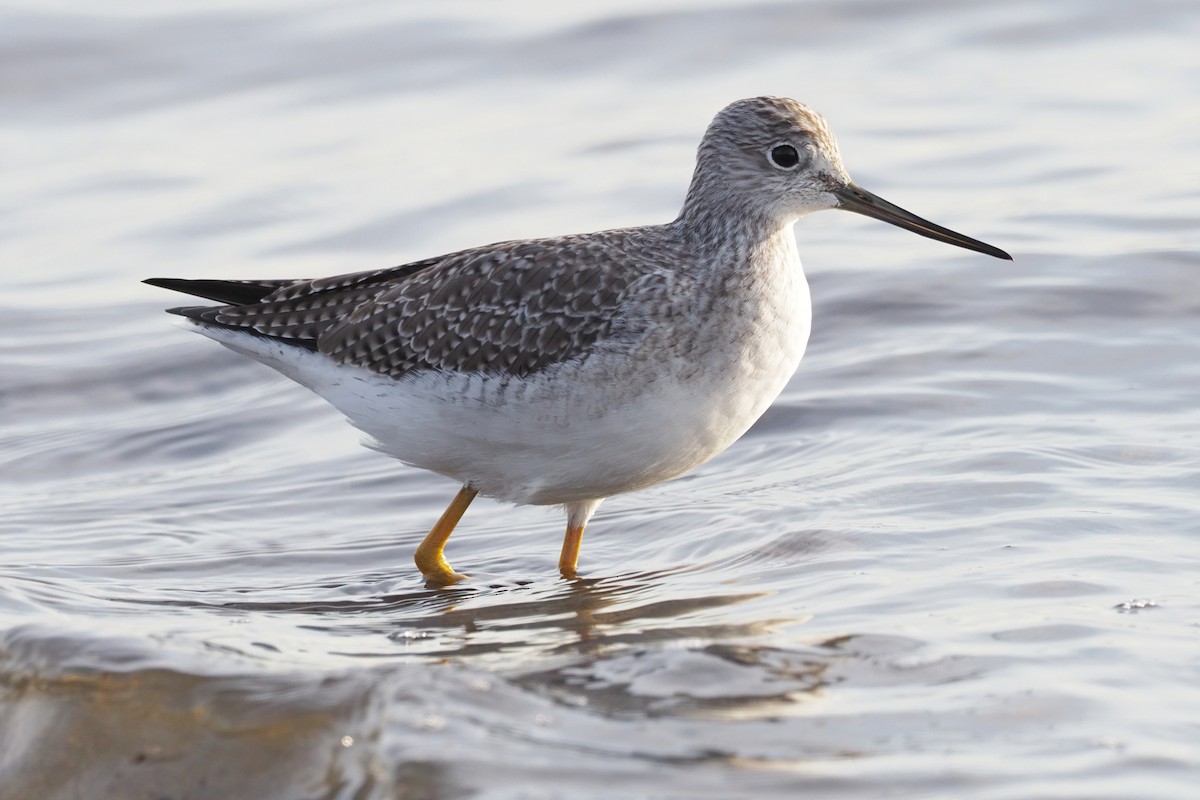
561,371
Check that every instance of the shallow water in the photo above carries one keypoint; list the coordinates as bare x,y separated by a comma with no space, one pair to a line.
959,557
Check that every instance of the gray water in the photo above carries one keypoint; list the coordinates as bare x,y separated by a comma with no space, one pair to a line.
959,557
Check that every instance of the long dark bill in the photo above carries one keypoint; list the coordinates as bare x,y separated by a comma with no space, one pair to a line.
860,201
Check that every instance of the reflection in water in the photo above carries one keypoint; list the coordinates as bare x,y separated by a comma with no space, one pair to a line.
267,733
734,682
576,617
668,703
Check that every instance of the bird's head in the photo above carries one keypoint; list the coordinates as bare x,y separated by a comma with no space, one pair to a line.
775,158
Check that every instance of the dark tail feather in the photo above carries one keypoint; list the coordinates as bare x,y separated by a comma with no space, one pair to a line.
235,293
199,313
208,315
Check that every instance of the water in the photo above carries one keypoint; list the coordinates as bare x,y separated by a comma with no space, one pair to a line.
958,557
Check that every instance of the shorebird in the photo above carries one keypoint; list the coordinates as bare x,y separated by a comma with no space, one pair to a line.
561,371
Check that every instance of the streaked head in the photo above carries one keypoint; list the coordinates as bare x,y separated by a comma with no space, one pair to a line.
778,159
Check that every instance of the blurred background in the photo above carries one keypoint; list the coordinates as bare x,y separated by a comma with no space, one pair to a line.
958,557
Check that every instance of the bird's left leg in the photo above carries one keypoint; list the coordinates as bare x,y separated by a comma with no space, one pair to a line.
578,515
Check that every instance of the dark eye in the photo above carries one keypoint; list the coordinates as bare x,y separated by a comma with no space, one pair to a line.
785,156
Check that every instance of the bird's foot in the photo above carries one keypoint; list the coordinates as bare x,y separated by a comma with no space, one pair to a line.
437,569
443,576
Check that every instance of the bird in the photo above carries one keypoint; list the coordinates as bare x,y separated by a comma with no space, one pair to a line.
560,371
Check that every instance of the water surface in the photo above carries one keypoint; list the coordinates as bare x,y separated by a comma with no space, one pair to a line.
958,557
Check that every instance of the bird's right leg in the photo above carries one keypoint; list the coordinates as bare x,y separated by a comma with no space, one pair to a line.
429,558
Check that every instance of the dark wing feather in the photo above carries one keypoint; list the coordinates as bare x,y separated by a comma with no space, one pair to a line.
511,308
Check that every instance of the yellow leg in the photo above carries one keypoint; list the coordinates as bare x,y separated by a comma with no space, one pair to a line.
429,558
570,551
578,514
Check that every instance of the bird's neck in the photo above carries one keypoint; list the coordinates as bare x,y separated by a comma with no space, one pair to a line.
729,235
715,218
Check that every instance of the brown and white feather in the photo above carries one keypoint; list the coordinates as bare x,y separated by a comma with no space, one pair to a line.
512,308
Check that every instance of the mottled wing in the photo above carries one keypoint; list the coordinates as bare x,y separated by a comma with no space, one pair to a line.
299,311
513,309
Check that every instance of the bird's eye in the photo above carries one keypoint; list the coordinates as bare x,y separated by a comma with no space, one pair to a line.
784,156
